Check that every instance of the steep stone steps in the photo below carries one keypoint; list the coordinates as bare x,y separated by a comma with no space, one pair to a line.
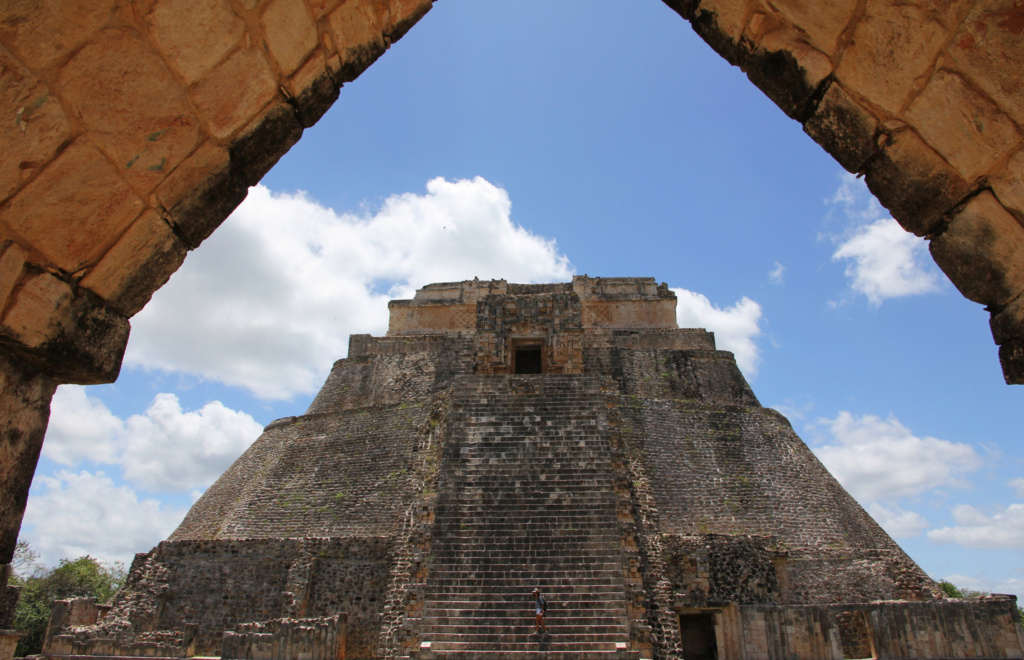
527,500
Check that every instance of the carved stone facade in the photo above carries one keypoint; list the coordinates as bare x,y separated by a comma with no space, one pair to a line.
567,437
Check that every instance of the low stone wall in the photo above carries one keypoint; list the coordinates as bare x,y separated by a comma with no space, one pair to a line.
989,628
287,639
80,644
8,643
185,594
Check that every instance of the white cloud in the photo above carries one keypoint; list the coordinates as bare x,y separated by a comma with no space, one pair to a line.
69,515
168,449
164,449
898,522
975,529
80,427
269,301
886,262
775,275
1017,485
876,459
735,327
883,260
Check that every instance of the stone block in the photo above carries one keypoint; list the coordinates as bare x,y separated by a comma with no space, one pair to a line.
264,141
42,35
357,31
68,334
987,50
1011,359
131,105
822,21
720,23
290,33
201,193
233,93
1008,323
843,128
39,127
914,183
313,90
893,45
321,8
403,14
787,69
963,126
75,209
980,251
12,265
194,35
139,264
1008,185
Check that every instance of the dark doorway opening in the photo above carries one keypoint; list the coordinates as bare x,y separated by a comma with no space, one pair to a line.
528,360
698,636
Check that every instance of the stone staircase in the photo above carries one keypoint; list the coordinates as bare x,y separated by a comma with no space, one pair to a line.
527,499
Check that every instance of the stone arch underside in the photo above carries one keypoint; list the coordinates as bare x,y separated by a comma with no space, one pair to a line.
132,128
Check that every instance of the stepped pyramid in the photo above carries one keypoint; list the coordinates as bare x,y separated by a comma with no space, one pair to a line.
500,438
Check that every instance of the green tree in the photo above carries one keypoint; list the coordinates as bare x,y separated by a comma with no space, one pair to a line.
954,591
84,577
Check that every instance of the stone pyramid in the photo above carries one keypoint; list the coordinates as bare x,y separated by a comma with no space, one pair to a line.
564,437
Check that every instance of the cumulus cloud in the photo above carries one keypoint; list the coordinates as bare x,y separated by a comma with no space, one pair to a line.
886,262
876,458
976,529
269,301
72,514
882,260
735,328
898,522
163,449
80,428
775,275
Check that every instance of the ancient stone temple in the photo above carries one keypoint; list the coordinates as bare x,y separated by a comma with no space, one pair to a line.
501,438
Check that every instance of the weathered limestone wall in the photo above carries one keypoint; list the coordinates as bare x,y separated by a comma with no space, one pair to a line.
217,585
8,643
8,603
741,471
941,629
287,639
393,370
24,411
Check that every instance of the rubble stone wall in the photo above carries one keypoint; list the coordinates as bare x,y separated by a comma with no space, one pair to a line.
714,568
8,603
287,639
218,585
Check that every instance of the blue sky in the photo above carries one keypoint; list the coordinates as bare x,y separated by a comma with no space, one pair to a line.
531,141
